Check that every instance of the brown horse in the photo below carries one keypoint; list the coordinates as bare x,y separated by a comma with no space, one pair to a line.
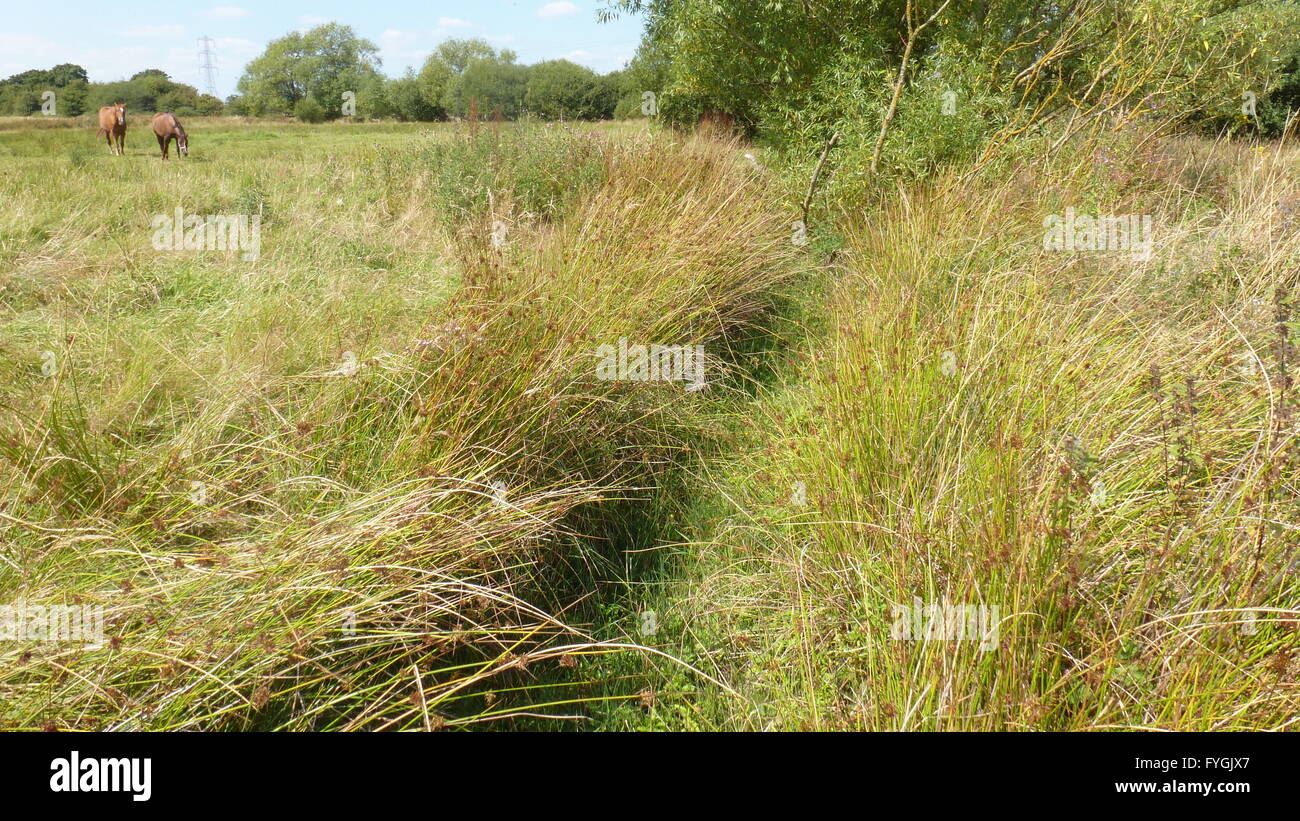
167,128
112,124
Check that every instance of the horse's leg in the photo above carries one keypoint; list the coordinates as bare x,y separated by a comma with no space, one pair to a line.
108,138
162,144
121,143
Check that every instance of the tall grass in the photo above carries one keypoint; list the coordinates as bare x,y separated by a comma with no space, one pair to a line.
346,485
1101,447
371,481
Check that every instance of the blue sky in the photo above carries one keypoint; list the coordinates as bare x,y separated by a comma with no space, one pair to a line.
113,40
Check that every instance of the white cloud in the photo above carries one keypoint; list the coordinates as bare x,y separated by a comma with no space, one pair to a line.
237,44
557,9
402,48
227,11
453,23
20,52
311,21
604,59
153,31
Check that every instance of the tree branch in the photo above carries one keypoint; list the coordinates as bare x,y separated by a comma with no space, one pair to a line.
912,34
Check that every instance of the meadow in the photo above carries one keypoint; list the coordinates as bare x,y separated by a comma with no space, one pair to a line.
370,479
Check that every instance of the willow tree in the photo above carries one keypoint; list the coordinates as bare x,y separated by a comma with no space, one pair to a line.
323,63
801,71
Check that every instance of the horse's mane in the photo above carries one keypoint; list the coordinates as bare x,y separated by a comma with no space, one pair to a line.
179,128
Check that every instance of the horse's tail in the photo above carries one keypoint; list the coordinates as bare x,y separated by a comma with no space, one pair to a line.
101,130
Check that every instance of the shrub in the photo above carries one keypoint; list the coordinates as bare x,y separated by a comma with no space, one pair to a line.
539,172
309,111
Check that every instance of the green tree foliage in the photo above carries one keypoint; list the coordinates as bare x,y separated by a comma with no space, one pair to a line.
374,97
1282,103
309,111
407,100
601,97
72,98
330,61
21,93
19,100
152,90
496,84
446,65
432,81
207,106
460,70
57,77
322,64
1265,94
648,71
457,54
559,89
875,73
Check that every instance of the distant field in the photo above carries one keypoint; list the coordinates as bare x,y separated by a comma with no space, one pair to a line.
211,137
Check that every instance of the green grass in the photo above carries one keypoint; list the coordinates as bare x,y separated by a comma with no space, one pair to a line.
1096,463
370,481
206,466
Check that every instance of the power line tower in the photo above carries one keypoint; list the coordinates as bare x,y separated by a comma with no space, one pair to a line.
208,65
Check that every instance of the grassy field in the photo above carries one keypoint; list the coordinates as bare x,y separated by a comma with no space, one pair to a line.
352,482
1100,446
370,478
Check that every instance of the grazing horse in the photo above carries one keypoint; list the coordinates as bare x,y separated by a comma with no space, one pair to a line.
167,128
112,124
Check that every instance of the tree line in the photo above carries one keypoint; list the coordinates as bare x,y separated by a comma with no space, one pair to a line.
330,72
900,85
74,94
